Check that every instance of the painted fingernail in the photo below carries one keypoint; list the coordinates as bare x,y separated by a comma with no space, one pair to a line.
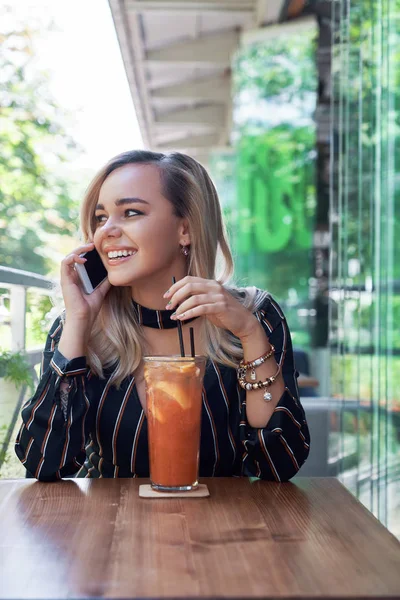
166,294
168,305
173,316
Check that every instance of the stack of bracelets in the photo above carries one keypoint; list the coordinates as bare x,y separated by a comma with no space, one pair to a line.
247,385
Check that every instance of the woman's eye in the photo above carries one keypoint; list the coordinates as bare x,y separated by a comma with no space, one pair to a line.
129,212
132,210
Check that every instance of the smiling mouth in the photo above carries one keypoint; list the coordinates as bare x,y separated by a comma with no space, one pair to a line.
119,259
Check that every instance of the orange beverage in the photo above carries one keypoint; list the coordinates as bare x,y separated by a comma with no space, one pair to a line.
174,387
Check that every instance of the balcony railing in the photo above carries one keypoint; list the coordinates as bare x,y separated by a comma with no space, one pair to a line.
18,282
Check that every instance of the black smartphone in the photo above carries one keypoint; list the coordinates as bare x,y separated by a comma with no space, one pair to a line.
93,272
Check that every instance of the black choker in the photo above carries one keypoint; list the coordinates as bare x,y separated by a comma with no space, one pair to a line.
157,319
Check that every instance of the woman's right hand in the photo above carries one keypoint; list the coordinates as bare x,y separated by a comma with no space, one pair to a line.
80,308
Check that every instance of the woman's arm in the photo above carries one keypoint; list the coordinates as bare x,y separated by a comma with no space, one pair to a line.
256,344
51,440
279,442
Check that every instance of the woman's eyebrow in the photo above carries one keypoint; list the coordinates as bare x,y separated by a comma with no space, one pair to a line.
123,201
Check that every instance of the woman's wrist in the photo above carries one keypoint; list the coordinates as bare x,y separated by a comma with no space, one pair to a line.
254,340
72,342
252,327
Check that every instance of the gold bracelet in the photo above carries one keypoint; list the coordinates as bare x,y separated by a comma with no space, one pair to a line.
258,361
252,364
246,385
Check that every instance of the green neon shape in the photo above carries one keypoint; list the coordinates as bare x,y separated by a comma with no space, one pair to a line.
271,212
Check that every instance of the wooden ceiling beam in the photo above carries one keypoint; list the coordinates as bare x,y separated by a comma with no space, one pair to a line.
204,115
213,49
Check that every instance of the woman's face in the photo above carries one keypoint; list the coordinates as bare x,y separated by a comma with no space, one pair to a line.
133,217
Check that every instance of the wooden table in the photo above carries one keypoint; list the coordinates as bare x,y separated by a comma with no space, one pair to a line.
250,539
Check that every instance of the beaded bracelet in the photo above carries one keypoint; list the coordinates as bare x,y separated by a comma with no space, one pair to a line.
246,385
256,363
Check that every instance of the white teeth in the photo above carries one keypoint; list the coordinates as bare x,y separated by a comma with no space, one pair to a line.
116,253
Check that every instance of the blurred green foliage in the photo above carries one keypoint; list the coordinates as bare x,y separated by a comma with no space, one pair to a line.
365,225
366,190
267,185
34,200
39,306
280,70
14,367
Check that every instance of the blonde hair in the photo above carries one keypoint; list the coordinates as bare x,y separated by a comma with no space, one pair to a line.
116,341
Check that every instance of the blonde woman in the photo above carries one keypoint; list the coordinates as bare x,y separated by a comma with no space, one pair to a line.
88,415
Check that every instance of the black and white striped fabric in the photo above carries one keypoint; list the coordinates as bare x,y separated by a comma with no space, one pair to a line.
102,432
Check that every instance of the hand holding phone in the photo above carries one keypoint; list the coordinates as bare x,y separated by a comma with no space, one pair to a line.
93,272
83,300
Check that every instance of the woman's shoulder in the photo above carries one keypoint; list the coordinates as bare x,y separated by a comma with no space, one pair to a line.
269,310
261,303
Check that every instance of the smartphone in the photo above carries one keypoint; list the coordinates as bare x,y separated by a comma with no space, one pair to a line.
93,272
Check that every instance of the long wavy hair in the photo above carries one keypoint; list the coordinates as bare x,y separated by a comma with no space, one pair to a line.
116,341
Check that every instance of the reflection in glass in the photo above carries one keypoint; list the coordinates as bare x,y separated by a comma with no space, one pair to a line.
267,184
365,290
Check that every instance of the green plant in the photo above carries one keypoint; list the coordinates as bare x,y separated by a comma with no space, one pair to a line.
15,368
38,307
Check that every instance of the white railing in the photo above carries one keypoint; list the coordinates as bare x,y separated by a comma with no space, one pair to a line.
18,282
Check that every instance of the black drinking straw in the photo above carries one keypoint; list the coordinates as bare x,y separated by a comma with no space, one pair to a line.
180,330
191,330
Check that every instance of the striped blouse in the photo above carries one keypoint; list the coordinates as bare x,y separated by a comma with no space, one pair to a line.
102,431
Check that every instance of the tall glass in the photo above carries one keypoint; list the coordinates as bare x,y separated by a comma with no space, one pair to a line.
174,387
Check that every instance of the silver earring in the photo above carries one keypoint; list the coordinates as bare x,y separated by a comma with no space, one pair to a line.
185,250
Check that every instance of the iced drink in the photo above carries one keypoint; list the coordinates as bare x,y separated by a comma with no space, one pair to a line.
174,396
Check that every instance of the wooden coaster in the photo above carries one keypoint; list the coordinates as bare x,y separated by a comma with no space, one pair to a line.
146,491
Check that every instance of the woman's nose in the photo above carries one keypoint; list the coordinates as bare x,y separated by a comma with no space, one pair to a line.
111,230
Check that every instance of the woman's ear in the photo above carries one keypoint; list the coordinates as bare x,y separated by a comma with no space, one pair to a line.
184,235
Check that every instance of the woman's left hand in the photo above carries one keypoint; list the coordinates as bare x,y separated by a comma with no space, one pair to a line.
196,297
